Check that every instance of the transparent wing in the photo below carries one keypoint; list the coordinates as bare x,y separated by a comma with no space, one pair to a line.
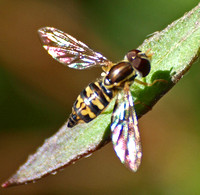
69,51
125,133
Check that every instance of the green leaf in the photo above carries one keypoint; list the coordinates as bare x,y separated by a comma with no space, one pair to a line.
174,51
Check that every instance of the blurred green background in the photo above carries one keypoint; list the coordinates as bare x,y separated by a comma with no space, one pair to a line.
36,95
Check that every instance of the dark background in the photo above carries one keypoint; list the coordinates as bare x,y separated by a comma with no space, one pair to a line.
36,95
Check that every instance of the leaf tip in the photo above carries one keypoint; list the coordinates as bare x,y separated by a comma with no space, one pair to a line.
10,182
6,184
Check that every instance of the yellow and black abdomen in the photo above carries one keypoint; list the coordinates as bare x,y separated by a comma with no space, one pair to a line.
90,103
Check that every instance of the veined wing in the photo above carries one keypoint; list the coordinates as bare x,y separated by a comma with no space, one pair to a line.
68,50
125,133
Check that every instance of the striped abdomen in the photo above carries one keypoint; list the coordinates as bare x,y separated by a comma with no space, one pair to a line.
90,103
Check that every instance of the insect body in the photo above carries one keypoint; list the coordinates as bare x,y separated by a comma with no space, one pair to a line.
116,80
90,103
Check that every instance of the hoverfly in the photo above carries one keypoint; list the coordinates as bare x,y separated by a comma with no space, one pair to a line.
115,81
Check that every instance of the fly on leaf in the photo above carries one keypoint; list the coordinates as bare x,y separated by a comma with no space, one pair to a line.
115,80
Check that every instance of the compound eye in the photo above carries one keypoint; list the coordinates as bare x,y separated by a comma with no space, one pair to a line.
131,55
139,61
142,65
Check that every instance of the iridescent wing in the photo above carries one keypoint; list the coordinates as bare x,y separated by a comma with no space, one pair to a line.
125,133
68,50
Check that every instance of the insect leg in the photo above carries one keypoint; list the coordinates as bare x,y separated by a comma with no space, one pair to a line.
150,84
